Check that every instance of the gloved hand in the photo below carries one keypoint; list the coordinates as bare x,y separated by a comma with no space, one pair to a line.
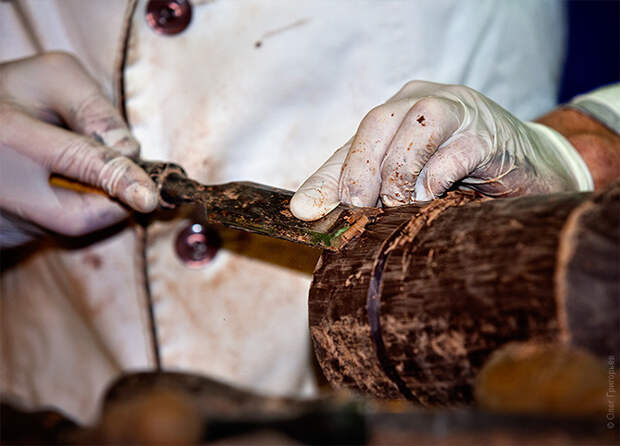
38,95
429,136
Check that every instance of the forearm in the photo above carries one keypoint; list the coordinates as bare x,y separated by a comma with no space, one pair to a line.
598,145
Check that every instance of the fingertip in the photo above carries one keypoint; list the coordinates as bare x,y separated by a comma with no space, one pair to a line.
310,205
298,206
422,191
142,198
318,195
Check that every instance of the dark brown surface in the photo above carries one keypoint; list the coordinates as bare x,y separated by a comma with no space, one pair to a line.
474,427
339,317
23,427
176,408
588,276
414,306
179,408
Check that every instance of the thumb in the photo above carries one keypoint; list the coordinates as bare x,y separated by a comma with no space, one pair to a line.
318,195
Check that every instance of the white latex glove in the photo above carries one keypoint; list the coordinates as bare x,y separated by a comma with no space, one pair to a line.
429,136
38,95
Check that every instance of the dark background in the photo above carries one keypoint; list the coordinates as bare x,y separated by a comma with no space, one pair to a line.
593,52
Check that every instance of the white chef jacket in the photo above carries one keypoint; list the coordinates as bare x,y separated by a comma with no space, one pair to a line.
259,90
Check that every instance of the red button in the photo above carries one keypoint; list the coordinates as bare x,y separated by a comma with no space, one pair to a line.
168,16
197,245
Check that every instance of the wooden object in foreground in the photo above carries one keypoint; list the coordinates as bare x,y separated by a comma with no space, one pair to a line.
537,378
177,409
414,306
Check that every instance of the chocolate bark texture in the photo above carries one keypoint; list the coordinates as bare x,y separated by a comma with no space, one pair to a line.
414,306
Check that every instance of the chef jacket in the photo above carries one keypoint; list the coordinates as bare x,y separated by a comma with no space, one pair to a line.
258,90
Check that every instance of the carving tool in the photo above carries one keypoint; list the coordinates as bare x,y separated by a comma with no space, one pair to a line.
257,208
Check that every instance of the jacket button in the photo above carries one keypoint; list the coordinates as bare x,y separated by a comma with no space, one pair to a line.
168,16
197,245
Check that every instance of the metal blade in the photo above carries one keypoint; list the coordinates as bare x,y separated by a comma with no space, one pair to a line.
257,208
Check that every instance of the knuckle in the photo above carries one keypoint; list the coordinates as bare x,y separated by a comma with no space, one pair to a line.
465,95
116,173
92,98
413,85
95,113
79,147
426,103
375,116
431,106
406,90
79,158
90,103
459,90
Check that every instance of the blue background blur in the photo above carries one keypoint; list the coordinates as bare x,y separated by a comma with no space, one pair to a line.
593,52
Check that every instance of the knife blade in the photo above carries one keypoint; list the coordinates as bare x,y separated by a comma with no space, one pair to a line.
257,208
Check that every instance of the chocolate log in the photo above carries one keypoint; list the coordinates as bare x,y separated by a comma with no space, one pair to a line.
415,304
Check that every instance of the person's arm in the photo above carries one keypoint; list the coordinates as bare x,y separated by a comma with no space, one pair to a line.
597,144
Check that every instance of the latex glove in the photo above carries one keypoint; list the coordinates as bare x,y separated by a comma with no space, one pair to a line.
38,95
429,136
